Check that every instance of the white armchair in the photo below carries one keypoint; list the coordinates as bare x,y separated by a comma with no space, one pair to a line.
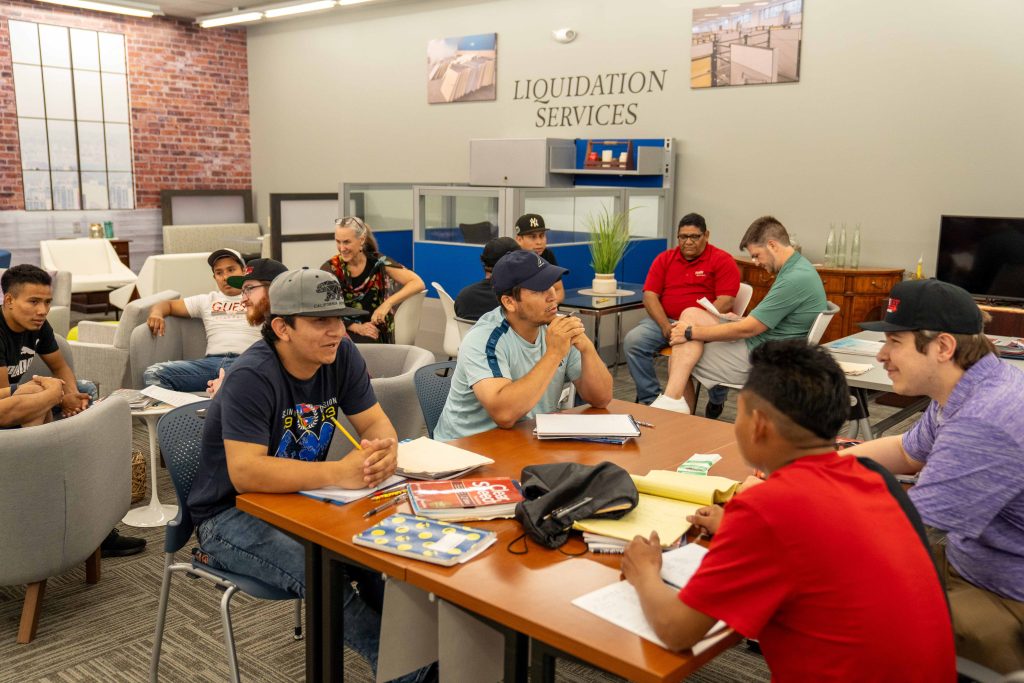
93,263
186,274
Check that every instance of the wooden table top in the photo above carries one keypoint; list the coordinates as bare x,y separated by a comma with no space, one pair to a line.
532,593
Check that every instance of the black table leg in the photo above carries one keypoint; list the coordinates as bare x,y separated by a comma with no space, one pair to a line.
314,614
333,598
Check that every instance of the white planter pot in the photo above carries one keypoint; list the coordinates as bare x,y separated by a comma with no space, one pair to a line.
604,283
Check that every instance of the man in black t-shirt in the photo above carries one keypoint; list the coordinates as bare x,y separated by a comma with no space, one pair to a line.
24,333
479,298
28,402
269,428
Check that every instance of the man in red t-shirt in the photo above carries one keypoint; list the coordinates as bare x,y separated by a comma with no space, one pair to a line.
676,280
825,563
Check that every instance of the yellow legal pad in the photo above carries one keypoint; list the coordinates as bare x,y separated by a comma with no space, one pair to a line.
666,499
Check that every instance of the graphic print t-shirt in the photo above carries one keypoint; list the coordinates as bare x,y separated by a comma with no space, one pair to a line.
227,330
17,349
261,403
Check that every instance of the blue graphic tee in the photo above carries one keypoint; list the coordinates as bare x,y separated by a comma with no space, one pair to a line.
259,402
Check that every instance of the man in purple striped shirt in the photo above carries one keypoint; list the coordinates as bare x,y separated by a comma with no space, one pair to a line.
969,449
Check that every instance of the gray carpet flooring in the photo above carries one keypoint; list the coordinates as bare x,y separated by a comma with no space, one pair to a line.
104,632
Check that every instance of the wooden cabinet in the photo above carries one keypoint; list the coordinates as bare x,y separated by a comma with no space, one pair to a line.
122,249
860,293
1007,321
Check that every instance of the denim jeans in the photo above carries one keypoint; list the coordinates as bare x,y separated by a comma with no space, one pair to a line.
238,542
640,345
187,375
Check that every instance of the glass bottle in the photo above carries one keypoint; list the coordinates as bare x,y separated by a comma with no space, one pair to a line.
841,248
830,246
855,247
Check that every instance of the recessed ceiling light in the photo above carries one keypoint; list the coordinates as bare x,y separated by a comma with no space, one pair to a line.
231,19
299,9
132,9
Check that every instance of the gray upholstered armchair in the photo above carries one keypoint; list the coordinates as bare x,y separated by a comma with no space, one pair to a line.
63,487
183,339
392,367
101,351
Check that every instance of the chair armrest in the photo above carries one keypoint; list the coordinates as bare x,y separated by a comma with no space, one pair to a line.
94,332
144,350
103,364
59,318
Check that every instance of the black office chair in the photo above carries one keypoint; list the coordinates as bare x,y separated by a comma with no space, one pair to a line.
180,434
478,233
432,385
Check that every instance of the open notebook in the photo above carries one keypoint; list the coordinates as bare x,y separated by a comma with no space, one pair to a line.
424,458
666,499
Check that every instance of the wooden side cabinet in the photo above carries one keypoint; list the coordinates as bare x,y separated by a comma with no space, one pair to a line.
122,249
860,293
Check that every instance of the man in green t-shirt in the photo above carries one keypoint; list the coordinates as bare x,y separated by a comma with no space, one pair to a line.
787,311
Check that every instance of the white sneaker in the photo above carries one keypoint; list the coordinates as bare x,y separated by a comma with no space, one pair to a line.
676,405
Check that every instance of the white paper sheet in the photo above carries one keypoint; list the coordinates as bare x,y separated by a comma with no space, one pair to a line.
170,397
341,495
424,455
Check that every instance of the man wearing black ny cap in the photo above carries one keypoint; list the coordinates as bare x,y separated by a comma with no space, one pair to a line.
269,430
516,360
227,331
532,235
969,449
478,298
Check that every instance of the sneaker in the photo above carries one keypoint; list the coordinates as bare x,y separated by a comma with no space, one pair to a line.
676,405
116,545
713,410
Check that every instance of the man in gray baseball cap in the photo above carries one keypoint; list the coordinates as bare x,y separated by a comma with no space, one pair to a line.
269,429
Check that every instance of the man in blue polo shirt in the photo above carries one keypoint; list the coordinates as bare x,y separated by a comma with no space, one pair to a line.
969,449
516,359
787,312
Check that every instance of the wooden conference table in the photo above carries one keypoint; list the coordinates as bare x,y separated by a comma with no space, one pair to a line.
528,597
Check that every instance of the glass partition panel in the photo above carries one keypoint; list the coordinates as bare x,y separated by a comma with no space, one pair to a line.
646,213
466,216
567,212
383,206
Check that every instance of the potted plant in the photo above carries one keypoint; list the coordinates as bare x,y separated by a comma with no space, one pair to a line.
609,240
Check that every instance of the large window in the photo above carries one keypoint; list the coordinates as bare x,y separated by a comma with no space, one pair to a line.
71,87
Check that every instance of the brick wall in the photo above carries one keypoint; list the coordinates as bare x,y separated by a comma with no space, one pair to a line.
189,94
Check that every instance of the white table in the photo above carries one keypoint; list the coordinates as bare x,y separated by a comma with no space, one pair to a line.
155,513
875,382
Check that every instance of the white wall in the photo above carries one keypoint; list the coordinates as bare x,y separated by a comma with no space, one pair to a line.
904,111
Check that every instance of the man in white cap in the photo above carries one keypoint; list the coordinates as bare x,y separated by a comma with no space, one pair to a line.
269,429
228,333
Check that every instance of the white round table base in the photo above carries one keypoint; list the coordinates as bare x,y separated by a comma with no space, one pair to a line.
150,515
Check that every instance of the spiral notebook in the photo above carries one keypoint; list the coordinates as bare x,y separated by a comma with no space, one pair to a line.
586,427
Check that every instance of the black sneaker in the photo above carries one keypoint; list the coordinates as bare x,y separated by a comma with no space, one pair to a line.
713,410
116,545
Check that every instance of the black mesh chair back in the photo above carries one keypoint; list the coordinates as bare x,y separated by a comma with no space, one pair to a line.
432,384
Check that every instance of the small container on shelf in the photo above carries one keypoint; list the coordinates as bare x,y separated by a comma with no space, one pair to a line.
608,154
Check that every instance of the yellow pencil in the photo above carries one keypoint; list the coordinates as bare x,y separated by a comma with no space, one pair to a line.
345,432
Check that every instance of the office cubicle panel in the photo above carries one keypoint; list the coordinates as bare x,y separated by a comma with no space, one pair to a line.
309,254
454,266
206,207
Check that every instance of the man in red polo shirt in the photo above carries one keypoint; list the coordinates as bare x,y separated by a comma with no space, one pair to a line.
825,563
677,279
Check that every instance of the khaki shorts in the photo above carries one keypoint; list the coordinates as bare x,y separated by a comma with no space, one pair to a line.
723,362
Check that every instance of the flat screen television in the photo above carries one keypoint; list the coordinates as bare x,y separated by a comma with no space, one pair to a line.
983,255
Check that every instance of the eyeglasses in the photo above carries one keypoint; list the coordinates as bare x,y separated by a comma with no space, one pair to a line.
348,221
248,289
691,238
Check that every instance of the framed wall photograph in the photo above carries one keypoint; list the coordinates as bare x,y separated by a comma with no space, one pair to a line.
462,69
748,43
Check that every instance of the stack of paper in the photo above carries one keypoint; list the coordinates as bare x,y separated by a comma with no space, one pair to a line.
666,500
602,428
854,369
856,346
170,397
430,460
340,496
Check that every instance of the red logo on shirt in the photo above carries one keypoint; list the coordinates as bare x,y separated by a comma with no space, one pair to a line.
700,273
892,306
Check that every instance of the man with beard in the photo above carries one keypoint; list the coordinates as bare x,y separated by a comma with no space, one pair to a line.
787,312
254,284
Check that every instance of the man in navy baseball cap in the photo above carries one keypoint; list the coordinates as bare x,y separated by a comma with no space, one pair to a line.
516,361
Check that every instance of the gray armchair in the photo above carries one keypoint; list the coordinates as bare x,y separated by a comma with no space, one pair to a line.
183,339
74,478
101,351
392,367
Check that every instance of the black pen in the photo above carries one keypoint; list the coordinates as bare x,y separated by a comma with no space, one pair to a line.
384,506
563,511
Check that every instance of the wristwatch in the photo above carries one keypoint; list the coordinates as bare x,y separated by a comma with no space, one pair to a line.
688,333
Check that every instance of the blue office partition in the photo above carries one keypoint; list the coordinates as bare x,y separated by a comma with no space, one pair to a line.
453,266
396,244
